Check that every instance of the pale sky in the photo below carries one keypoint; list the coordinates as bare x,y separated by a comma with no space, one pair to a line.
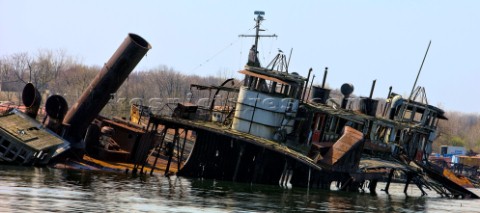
359,41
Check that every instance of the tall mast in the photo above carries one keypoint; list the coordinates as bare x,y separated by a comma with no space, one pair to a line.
258,21
420,70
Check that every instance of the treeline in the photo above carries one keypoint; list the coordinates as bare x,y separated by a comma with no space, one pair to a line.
54,72
460,129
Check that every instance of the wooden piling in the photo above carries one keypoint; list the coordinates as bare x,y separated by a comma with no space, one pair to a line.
390,175
409,178
158,148
175,140
373,186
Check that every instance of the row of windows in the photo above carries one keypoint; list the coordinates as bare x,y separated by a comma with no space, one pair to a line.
272,87
12,152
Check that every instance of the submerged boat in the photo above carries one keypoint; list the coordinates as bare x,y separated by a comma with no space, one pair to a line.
271,129
61,135
24,140
275,132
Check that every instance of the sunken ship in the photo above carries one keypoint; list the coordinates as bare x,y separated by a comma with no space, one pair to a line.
275,127
282,130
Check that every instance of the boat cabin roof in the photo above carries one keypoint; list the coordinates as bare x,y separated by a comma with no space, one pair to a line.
19,128
273,75
354,116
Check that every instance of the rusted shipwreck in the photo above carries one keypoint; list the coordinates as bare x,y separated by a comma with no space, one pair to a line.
61,134
277,130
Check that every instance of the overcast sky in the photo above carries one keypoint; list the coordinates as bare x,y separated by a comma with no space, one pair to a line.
359,41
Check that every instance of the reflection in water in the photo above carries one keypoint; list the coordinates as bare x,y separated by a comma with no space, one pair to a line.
43,189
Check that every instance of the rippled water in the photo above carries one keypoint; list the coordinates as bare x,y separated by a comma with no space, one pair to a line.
44,189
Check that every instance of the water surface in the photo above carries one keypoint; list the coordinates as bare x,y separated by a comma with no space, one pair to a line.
25,189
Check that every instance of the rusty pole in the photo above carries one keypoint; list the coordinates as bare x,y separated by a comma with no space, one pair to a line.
107,82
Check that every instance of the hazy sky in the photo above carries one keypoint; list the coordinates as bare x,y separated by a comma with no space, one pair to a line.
359,41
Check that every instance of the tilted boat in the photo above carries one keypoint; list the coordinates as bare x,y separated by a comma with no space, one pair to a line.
63,131
24,140
276,133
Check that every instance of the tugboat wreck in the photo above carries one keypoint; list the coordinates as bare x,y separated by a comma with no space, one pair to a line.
275,128
275,132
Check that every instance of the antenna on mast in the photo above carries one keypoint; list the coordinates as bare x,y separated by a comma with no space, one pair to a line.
415,84
257,35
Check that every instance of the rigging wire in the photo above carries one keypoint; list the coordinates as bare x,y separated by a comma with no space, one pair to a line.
218,53
215,55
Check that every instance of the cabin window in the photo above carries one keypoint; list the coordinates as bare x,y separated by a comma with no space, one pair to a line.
417,117
286,88
331,124
407,115
10,154
262,85
3,149
246,81
252,81
435,122
273,87
293,92
4,146
21,157
333,128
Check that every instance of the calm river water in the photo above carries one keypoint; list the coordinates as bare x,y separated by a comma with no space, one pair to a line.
44,190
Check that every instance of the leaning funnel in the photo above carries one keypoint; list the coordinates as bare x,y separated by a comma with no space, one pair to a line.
98,93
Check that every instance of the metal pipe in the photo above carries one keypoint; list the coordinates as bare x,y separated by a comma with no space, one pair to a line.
56,107
31,98
420,70
310,88
107,82
373,88
325,77
306,84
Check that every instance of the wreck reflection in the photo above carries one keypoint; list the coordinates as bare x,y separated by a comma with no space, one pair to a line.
44,189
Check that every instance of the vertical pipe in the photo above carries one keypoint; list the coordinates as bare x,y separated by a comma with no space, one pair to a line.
306,84
324,77
388,96
289,57
373,88
310,89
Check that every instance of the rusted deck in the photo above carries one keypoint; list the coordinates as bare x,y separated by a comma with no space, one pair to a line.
209,126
